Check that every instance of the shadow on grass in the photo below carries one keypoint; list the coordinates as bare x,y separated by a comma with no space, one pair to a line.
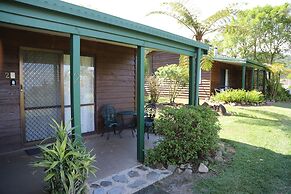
253,170
280,120
283,105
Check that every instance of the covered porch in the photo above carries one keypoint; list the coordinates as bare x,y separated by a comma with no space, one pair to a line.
237,73
115,48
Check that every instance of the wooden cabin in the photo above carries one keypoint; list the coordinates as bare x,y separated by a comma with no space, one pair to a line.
226,73
63,61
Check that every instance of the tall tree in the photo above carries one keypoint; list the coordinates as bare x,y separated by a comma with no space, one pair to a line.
261,33
190,19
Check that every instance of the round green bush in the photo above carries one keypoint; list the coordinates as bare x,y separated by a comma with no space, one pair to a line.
188,134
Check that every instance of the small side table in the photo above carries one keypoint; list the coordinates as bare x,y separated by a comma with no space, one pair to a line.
132,124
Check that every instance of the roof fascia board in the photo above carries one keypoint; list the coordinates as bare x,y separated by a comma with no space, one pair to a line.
63,28
81,13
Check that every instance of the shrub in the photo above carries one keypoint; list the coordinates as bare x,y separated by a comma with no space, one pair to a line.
282,94
154,88
239,96
188,134
67,163
274,87
176,75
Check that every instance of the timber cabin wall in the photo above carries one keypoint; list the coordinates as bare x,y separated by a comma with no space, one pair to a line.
114,75
235,76
158,59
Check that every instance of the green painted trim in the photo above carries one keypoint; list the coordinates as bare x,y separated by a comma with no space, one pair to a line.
253,78
55,6
239,61
75,86
197,76
140,103
243,80
191,81
26,14
57,27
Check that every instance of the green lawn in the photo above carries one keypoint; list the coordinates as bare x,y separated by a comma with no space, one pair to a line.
262,163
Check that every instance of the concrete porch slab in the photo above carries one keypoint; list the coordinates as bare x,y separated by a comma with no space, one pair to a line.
112,156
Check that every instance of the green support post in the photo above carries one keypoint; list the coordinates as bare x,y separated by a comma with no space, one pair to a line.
243,80
140,103
75,86
191,81
197,76
258,71
253,78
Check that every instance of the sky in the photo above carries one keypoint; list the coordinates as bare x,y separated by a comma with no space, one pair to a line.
137,10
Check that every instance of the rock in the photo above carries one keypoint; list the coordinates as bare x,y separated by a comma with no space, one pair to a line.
188,171
202,168
105,183
179,170
120,178
143,168
99,191
116,190
183,166
218,153
159,166
221,146
133,173
222,109
165,172
95,185
137,183
230,150
152,175
172,168
188,166
218,156
205,104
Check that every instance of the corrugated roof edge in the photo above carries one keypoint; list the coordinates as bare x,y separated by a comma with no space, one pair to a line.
91,14
239,61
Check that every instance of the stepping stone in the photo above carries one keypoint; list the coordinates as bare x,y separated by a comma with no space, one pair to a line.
137,183
95,185
165,172
133,173
116,190
120,178
142,168
99,191
152,175
105,183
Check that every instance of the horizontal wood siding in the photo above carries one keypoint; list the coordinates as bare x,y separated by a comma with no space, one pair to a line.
10,138
159,58
115,77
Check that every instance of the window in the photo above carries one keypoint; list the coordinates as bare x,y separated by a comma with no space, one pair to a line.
87,82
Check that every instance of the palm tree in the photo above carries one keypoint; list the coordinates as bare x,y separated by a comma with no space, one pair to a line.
190,20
